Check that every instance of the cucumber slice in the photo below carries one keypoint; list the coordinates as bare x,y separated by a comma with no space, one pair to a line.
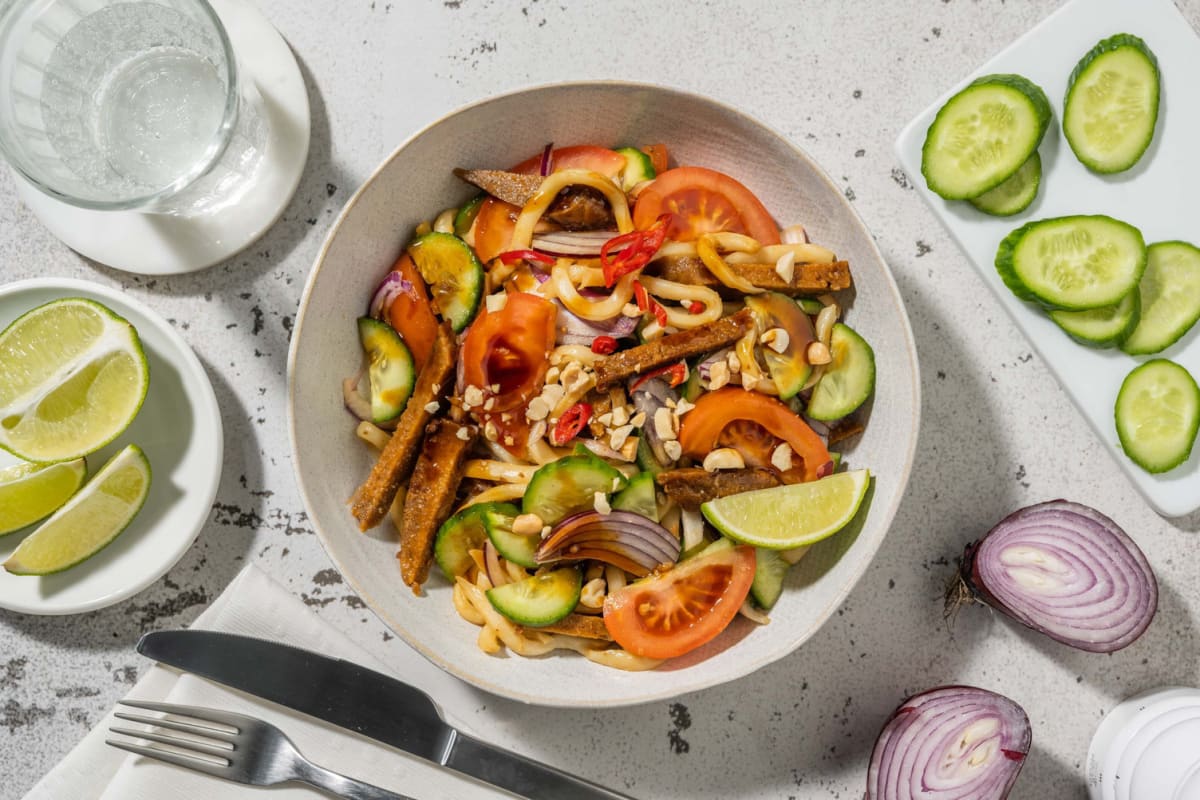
1157,413
569,485
518,548
848,380
810,306
1015,194
713,547
462,533
1111,106
1107,326
983,135
692,388
770,570
1073,263
1170,289
639,496
453,274
539,599
465,217
645,457
638,167
390,369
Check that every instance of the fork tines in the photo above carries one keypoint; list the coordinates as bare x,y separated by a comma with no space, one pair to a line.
207,743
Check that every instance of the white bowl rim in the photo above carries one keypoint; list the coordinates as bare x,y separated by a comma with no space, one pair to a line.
838,597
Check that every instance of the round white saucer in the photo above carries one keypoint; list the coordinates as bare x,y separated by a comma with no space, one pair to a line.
178,427
156,244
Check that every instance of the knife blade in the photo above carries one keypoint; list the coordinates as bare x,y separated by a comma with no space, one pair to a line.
358,699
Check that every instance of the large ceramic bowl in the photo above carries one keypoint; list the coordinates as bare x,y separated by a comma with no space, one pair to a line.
413,184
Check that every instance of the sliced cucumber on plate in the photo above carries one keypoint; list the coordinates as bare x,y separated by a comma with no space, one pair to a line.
390,369
983,135
1072,263
1111,106
849,378
1107,326
453,273
1170,289
539,599
1157,414
1015,194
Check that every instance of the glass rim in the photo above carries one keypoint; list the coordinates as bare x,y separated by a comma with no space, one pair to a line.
10,11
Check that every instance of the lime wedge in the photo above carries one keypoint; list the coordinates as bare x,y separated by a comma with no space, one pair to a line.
90,520
29,492
790,516
72,378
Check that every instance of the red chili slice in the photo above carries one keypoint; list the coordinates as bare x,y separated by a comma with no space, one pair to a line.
604,345
695,307
512,256
639,248
676,374
571,423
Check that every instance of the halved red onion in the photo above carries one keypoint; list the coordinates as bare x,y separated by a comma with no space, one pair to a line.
622,538
1068,571
574,243
495,570
546,165
392,285
950,743
573,329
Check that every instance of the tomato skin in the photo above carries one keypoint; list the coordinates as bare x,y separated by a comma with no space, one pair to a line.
677,611
411,315
715,412
658,157
496,219
580,156
509,348
702,200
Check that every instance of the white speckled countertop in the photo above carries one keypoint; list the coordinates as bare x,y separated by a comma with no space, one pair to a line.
840,77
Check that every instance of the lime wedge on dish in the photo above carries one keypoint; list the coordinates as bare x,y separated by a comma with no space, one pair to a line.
790,516
90,520
29,492
72,377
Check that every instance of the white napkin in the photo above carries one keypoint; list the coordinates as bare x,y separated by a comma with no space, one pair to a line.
253,605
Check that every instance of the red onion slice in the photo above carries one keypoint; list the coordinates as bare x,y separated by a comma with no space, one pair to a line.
546,165
573,329
574,243
495,571
391,286
1068,571
950,743
626,536
353,398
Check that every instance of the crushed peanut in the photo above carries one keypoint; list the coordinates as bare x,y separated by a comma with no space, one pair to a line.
552,394
673,450
620,416
433,407
600,503
718,375
666,424
489,404
489,431
630,310
509,441
605,419
781,457
552,374
723,458
619,435
538,430
463,433
472,396
735,363
638,419
818,353
527,524
495,388
683,406
785,267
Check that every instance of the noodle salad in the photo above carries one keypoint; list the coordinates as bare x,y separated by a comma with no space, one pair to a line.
604,392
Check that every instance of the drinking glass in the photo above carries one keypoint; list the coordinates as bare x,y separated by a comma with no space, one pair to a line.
128,104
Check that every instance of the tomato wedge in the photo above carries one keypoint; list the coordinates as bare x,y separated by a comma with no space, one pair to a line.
701,201
508,349
496,219
725,411
411,315
683,608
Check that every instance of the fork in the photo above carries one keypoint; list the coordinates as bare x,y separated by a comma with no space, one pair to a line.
235,747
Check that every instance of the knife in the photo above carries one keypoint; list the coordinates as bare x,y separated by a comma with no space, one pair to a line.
361,700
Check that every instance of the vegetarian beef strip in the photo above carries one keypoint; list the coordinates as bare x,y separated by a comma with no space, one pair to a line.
430,495
808,279
373,499
691,486
585,625
673,347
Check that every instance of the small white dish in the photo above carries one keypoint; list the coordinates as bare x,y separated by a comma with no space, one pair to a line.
157,244
179,428
1154,196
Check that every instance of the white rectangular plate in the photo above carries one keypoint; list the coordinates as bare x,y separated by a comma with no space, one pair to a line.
1158,196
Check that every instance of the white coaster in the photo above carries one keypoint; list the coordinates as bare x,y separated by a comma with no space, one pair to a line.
156,244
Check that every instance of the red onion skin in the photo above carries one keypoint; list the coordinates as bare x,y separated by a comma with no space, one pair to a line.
1020,734
975,583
